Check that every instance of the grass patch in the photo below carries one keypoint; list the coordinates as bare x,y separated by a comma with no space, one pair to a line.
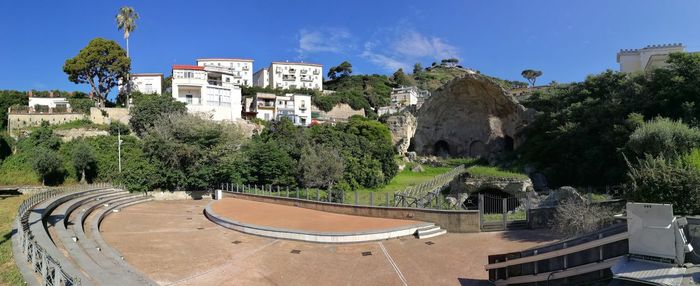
401,181
510,216
9,274
80,123
487,171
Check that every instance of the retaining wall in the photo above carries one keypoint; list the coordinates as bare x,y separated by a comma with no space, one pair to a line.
451,220
180,195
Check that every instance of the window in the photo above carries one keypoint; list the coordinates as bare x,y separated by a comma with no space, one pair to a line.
188,98
302,121
267,116
228,79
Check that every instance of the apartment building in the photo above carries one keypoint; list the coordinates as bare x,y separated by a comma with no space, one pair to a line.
240,69
647,58
295,107
291,75
261,78
147,83
404,97
208,91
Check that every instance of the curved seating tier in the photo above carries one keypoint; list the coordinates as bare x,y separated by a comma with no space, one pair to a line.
57,246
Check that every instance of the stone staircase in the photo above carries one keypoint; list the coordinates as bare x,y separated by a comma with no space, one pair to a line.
429,231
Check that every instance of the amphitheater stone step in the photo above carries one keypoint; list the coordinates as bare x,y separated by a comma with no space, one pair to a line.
430,231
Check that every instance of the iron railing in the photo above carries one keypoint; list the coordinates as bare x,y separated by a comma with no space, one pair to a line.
47,268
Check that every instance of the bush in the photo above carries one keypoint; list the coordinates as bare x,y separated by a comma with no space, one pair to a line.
149,108
116,127
575,217
81,105
662,136
49,166
667,180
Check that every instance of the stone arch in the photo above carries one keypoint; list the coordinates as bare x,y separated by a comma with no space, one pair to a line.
477,149
441,148
508,144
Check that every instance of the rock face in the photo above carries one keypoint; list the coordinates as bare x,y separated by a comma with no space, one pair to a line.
470,116
402,128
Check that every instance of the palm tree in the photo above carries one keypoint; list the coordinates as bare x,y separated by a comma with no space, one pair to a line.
126,21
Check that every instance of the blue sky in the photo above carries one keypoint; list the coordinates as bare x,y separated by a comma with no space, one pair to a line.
567,40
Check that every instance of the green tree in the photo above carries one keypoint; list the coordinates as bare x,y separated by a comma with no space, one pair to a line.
84,162
320,167
148,108
116,128
401,79
451,62
44,137
341,70
663,136
665,180
417,68
531,75
48,165
9,98
102,63
269,164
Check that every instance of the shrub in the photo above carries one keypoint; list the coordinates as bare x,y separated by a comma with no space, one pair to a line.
148,108
116,127
663,136
48,165
575,217
666,180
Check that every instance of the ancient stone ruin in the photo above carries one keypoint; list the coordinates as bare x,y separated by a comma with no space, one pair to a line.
469,116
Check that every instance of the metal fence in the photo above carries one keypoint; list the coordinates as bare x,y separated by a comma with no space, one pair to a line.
434,199
47,268
427,195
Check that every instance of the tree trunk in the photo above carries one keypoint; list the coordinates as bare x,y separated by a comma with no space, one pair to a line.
82,178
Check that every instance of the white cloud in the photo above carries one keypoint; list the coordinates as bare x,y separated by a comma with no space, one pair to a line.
403,46
329,40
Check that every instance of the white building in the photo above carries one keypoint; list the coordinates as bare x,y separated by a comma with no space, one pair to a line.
261,78
240,69
264,105
404,97
210,92
295,107
647,58
46,104
147,83
290,75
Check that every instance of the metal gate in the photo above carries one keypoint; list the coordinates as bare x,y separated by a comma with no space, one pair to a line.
502,212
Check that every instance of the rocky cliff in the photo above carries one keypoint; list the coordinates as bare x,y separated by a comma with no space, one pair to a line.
470,116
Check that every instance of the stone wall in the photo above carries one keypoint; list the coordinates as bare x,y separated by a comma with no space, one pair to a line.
23,120
451,220
470,116
341,111
97,115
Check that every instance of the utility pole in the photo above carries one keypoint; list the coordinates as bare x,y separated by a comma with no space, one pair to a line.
119,147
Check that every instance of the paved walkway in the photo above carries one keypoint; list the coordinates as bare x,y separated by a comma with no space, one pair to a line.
175,244
288,217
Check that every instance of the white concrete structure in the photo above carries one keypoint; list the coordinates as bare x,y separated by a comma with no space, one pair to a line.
264,105
241,70
261,78
290,75
147,83
647,58
208,92
295,107
48,102
404,97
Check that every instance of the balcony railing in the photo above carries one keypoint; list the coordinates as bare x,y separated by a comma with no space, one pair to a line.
215,82
266,104
292,70
303,71
289,77
306,78
245,68
317,72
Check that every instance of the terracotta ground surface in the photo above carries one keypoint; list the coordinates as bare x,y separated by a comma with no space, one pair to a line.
288,217
173,243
